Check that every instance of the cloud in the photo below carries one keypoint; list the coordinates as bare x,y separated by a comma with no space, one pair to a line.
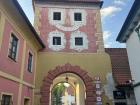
108,45
106,36
119,2
110,11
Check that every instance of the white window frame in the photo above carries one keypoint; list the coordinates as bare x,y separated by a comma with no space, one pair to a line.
32,61
51,13
6,93
18,44
83,16
79,48
28,98
50,40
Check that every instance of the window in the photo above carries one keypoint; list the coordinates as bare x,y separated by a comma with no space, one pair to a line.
30,60
56,40
13,47
120,103
57,16
6,100
78,41
77,16
26,101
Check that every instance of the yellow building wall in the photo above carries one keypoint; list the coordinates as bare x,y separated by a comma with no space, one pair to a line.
95,64
2,22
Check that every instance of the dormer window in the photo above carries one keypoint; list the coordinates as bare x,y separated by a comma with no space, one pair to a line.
78,41
77,16
57,16
56,40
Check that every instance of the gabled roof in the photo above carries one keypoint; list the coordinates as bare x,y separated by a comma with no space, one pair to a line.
35,34
120,66
130,22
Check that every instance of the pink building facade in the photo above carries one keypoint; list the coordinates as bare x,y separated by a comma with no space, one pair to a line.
18,53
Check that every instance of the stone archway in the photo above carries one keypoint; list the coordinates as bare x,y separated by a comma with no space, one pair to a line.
68,68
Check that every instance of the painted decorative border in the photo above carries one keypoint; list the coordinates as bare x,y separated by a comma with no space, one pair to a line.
50,40
60,23
55,22
72,41
79,23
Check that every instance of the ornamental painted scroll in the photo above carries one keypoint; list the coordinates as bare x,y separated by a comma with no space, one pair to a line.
81,35
60,23
50,40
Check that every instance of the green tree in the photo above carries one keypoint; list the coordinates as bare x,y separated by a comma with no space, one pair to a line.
57,94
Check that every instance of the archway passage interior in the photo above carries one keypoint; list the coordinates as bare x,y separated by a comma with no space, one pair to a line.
68,89
90,98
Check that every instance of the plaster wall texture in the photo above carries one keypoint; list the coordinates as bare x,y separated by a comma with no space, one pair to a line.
10,88
94,64
91,28
29,76
27,93
15,78
133,50
6,64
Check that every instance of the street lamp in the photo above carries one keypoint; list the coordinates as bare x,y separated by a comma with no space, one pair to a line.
66,84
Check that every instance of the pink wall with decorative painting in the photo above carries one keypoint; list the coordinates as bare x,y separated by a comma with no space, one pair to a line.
90,30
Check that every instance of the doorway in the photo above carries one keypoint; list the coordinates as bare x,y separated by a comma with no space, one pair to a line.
68,89
26,101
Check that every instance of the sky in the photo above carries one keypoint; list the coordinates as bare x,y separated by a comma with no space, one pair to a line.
113,15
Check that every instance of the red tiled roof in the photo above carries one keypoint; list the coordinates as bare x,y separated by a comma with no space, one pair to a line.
120,65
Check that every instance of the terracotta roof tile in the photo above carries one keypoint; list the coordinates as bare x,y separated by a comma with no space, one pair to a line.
120,65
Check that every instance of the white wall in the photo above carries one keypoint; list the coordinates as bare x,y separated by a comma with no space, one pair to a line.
133,50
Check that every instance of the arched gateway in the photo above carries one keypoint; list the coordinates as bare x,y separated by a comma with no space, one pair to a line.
68,68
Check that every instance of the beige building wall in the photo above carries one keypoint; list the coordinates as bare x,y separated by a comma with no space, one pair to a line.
95,64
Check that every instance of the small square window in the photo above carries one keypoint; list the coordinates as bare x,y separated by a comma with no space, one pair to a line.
26,101
30,60
6,100
79,41
57,16
77,16
13,47
56,40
